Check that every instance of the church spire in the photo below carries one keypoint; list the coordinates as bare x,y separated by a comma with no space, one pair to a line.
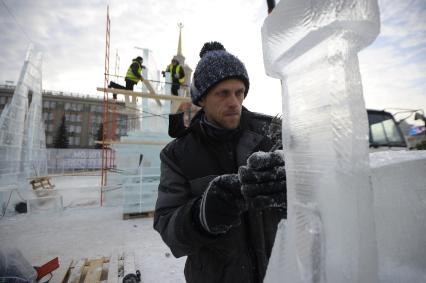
179,48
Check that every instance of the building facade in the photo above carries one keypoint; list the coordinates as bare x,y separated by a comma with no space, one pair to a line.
83,116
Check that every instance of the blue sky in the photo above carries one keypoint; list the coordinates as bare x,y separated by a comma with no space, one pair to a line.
71,35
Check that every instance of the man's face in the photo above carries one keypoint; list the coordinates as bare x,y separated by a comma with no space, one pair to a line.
223,103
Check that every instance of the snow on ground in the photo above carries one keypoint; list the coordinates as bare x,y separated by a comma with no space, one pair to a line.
86,230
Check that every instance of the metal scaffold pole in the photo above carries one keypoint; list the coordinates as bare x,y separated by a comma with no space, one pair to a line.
113,132
105,127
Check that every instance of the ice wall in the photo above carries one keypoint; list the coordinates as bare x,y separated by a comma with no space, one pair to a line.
312,47
22,137
399,186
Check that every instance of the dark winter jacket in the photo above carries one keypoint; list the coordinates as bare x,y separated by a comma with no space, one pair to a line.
188,164
134,71
177,74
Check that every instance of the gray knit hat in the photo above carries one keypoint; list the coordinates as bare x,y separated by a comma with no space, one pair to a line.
216,65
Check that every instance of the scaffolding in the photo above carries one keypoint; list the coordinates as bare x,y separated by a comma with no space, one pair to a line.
177,104
105,127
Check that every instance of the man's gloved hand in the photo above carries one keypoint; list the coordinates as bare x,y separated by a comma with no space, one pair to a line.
221,204
263,180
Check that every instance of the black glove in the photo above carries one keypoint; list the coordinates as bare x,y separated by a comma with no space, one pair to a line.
221,204
263,180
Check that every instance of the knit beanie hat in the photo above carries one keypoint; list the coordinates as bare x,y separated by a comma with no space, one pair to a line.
215,66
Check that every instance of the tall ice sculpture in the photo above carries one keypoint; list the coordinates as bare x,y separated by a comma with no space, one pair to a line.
22,138
312,47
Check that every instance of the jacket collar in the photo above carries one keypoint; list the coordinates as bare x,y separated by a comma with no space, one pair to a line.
247,144
249,140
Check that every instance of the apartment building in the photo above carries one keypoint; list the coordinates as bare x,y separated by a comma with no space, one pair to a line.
83,116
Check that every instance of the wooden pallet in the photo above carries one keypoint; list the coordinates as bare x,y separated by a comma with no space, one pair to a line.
148,214
85,270
41,183
105,269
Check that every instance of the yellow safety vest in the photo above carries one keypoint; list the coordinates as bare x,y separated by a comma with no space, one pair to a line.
130,75
181,80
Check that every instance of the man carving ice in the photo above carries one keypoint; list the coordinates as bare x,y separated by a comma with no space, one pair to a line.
222,192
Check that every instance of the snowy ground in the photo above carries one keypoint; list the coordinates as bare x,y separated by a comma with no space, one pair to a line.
86,230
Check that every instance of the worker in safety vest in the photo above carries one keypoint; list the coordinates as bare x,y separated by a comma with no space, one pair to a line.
177,75
134,73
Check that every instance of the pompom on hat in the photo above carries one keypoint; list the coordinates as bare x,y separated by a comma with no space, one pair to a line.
215,66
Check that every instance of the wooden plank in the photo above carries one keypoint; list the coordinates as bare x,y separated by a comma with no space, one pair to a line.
94,271
129,263
120,267
113,269
151,90
144,94
101,270
41,183
62,272
134,142
105,269
76,271
147,214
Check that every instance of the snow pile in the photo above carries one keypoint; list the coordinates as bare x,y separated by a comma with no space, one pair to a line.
84,230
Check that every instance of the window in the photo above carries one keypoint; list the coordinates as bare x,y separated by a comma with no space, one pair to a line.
378,133
46,116
52,104
384,130
67,106
49,139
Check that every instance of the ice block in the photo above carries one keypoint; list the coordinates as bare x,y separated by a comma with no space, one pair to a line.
312,47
